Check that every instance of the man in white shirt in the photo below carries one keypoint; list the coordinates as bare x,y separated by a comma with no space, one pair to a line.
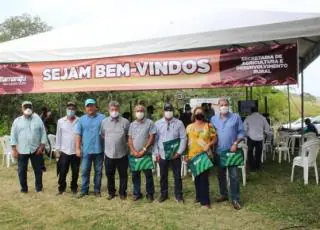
256,126
66,145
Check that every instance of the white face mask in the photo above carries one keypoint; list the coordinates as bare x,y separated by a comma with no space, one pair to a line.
224,109
139,115
168,114
114,114
27,112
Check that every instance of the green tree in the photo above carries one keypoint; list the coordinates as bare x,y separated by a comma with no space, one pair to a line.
14,28
22,26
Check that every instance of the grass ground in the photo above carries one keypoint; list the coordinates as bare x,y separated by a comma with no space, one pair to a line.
270,200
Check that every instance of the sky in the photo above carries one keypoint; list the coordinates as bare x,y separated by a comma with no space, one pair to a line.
61,13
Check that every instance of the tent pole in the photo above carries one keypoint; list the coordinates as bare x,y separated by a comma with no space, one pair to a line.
289,106
265,104
246,93
302,102
251,93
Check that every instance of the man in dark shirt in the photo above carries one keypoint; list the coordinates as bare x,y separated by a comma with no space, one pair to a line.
186,116
310,127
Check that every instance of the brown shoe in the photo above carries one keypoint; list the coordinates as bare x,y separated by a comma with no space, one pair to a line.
221,199
236,205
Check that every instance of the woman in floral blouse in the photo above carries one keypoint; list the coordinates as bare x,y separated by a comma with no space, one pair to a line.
201,138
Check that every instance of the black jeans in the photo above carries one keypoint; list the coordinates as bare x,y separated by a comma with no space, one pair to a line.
254,161
164,169
202,188
136,181
65,161
36,161
111,165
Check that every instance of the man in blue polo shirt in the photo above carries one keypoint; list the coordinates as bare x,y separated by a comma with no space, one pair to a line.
230,132
89,147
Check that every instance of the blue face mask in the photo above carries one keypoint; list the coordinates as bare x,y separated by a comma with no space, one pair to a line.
71,113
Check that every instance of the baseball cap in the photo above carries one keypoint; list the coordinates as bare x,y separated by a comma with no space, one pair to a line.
89,101
71,103
26,103
168,107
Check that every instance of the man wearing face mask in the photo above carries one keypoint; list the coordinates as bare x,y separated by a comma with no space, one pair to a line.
89,147
66,146
230,132
114,131
141,137
169,131
28,137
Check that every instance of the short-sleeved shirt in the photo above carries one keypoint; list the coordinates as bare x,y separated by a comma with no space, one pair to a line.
115,132
140,131
27,133
88,127
198,138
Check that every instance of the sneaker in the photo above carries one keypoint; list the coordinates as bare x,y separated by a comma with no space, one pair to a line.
150,198
111,196
207,206
123,197
136,198
81,195
162,199
97,194
24,191
74,191
180,200
221,199
236,205
196,201
60,193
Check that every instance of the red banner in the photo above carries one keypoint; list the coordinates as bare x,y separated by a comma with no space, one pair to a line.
233,67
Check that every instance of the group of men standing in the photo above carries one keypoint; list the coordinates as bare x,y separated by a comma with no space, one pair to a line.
93,139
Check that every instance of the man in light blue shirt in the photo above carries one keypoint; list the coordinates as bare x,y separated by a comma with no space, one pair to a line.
230,132
89,146
28,137
170,129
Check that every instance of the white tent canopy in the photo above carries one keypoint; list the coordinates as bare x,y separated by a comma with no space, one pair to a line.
200,29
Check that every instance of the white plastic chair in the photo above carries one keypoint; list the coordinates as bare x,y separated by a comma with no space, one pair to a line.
267,147
308,158
7,151
310,136
283,147
184,168
156,166
52,141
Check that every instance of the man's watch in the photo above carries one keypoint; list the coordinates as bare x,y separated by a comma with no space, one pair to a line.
144,149
235,143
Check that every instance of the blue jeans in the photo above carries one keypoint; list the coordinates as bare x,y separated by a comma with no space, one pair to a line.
136,181
87,160
234,181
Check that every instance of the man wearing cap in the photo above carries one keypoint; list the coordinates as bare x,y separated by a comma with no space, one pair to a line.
28,137
114,131
66,146
170,132
141,137
89,147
